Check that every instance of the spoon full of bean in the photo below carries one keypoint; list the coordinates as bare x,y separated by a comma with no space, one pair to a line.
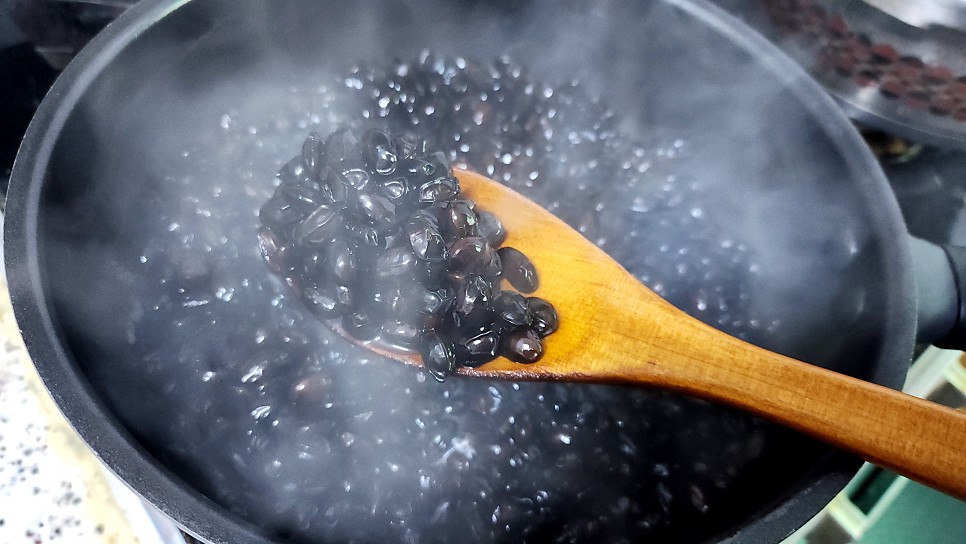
614,330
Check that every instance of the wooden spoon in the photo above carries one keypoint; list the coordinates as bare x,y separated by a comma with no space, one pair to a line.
614,330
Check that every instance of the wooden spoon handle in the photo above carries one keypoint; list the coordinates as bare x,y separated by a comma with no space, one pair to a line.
916,438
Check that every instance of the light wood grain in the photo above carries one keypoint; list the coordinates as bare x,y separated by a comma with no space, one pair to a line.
615,330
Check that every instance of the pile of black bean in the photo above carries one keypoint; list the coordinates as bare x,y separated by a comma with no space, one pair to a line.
374,232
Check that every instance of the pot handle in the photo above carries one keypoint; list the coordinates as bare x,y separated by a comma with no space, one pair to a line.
940,272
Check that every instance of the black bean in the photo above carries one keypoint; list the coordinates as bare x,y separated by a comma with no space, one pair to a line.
543,316
409,146
356,178
274,251
394,188
396,262
482,346
312,154
380,152
401,334
346,297
461,220
511,311
340,146
279,211
321,301
320,227
435,301
334,185
439,356
292,172
470,255
424,237
472,303
441,189
366,236
523,347
360,324
490,228
313,265
308,193
377,209
342,262
518,270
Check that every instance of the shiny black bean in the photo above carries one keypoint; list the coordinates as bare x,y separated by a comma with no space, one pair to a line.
401,334
472,303
313,265
377,209
356,178
396,263
320,227
305,192
292,172
435,301
282,212
481,347
441,189
274,251
424,237
312,154
345,296
394,188
470,255
543,316
518,270
360,324
340,146
366,236
342,263
379,152
321,301
490,228
522,347
511,311
409,146
439,356
333,185
461,220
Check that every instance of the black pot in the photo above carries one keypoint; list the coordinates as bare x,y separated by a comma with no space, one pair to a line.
136,282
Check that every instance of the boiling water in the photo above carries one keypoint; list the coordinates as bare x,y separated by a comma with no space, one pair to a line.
244,394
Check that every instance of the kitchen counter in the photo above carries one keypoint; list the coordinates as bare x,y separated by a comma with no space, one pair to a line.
52,487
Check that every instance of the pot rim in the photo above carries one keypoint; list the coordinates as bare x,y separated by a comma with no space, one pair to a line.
210,522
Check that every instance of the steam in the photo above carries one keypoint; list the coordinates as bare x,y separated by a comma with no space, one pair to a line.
183,139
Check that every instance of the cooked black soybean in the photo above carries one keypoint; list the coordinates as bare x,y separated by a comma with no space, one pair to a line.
360,324
511,311
479,346
320,226
373,231
542,315
377,208
424,237
490,228
396,262
523,347
518,270
312,154
439,356
438,190
343,263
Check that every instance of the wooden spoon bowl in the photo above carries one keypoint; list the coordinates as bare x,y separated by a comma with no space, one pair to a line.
614,330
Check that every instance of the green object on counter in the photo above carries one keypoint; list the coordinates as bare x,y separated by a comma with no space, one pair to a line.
920,515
